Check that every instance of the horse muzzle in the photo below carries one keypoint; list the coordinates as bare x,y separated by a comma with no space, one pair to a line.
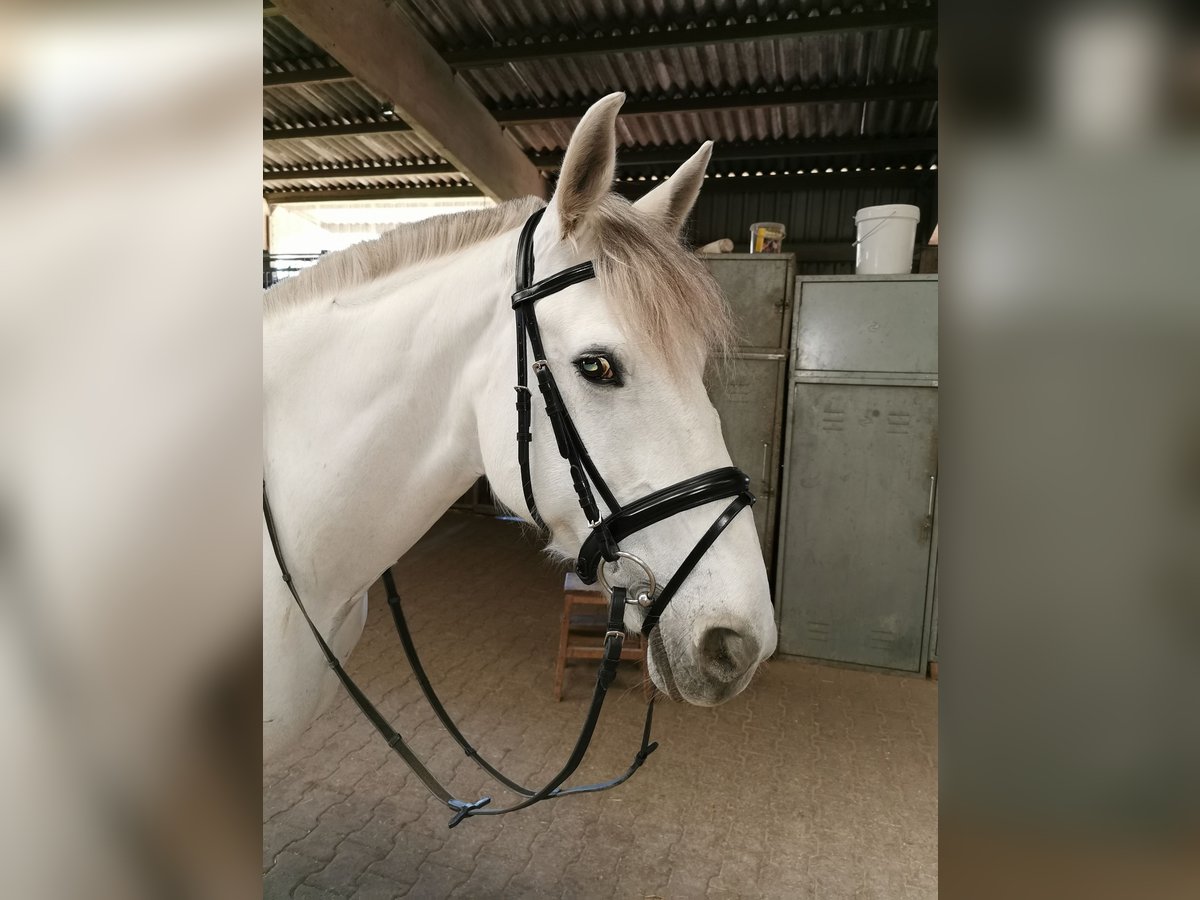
712,670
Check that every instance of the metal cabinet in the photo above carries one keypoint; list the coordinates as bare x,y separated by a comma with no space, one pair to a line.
758,288
857,532
748,390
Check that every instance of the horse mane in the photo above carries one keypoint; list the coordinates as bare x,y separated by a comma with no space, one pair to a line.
405,245
663,295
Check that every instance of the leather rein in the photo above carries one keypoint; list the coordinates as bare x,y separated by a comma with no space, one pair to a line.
600,548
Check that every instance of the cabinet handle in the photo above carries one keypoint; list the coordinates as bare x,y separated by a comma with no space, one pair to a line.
766,452
932,482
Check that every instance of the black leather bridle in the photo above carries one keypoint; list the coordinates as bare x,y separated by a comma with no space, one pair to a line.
603,544
601,547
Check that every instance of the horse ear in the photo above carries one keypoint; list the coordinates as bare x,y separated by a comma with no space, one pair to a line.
672,200
589,164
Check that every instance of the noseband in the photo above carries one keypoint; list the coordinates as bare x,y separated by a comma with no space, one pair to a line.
600,548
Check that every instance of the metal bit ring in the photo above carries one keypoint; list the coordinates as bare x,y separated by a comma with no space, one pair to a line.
621,554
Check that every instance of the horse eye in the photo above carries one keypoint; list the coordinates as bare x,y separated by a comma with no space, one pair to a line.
596,368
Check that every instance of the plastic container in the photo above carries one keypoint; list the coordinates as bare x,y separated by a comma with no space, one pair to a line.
887,236
767,237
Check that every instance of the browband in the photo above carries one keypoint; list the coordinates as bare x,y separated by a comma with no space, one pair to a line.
555,283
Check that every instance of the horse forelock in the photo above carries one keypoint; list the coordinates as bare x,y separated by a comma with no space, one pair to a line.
663,294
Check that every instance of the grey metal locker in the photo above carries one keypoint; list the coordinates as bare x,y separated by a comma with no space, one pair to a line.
759,289
749,399
748,390
857,532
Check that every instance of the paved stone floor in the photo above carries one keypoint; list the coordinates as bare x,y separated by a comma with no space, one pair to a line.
817,782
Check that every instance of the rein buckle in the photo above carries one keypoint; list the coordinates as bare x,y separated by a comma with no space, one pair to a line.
464,809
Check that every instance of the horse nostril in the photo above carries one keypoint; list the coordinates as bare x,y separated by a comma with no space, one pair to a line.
725,655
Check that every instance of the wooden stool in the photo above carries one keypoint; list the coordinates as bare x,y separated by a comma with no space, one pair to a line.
584,622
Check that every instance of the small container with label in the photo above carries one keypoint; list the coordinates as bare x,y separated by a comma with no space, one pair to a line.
767,237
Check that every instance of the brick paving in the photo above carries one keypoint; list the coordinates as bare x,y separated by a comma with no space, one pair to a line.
818,782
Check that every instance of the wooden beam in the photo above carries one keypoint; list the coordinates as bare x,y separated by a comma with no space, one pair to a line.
312,173
925,90
677,153
662,39
386,52
373,193
305,132
319,75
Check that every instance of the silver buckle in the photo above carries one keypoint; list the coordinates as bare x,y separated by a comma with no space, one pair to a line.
618,634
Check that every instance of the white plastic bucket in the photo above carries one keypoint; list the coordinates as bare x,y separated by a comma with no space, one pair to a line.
886,238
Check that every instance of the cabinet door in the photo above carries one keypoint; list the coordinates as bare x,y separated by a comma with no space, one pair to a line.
757,287
746,394
868,326
859,523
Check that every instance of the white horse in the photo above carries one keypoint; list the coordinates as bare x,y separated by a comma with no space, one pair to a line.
388,374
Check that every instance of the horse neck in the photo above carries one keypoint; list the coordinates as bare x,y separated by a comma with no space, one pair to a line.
369,412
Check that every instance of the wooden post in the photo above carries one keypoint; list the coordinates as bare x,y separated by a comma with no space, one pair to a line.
382,48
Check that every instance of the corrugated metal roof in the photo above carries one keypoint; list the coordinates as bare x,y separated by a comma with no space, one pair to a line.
365,180
814,122
350,150
877,56
338,101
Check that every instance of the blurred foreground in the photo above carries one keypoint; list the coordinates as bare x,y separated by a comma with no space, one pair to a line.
130,457
1070,632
